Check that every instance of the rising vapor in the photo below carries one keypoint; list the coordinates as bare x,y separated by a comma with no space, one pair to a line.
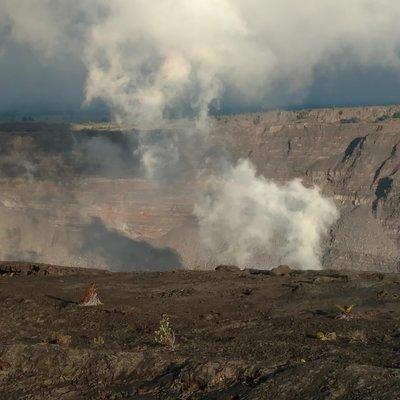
150,60
245,219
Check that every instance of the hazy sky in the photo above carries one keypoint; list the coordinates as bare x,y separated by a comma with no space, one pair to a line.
27,83
30,84
247,54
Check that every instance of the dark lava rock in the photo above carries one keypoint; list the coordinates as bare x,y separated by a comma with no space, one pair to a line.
258,344
13,268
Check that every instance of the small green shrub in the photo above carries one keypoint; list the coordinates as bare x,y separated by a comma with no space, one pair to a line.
324,336
357,336
165,336
345,310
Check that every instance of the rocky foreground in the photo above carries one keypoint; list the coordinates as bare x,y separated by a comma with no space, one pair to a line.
238,334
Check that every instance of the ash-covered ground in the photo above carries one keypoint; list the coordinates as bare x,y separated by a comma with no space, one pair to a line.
239,334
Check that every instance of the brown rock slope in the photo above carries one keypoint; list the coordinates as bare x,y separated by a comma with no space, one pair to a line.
239,335
352,154
72,195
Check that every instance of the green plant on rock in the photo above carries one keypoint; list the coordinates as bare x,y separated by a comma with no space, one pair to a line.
164,335
98,340
324,336
357,336
345,310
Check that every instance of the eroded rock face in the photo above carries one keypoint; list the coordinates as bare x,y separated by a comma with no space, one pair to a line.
61,202
351,154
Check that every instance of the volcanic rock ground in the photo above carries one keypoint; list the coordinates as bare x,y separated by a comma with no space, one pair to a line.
239,335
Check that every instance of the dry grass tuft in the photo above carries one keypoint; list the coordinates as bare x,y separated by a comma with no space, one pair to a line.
345,310
357,336
325,336
165,336
98,340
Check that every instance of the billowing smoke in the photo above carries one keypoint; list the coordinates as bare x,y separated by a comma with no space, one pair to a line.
148,57
246,219
152,60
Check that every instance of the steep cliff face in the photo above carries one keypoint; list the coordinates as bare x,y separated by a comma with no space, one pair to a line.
351,154
72,196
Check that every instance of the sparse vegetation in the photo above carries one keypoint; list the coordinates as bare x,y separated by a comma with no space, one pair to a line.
357,336
396,115
98,340
165,336
345,310
222,347
324,336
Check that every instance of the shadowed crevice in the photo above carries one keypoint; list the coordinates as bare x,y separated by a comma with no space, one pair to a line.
124,253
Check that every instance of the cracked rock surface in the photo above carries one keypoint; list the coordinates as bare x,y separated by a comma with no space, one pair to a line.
239,335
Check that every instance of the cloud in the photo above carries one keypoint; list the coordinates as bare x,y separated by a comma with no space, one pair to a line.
146,57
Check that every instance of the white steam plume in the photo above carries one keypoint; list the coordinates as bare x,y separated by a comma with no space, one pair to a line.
245,218
147,59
